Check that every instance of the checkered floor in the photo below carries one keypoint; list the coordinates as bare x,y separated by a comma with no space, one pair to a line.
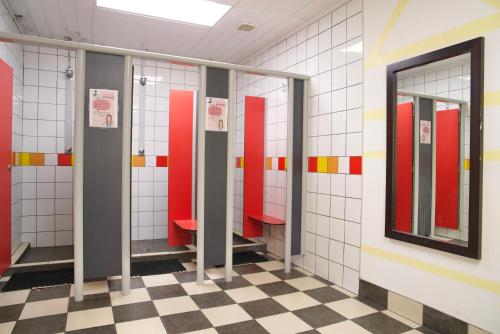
261,299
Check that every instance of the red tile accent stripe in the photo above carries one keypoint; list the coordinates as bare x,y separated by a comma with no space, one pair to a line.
161,161
355,165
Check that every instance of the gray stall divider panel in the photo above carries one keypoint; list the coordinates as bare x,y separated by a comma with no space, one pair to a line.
215,176
298,121
425,172
102,174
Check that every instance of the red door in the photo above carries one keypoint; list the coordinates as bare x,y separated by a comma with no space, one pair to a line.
6,81
404,167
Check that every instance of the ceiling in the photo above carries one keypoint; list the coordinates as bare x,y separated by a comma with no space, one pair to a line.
82,21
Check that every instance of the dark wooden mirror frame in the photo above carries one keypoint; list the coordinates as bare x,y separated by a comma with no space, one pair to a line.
476,49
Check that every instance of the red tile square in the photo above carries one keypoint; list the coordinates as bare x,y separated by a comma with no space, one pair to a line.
355,165
161,161
64,159
281,163
313,164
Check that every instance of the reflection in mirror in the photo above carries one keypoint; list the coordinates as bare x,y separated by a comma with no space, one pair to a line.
432,150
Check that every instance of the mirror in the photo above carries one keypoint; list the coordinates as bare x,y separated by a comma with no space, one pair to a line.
434,148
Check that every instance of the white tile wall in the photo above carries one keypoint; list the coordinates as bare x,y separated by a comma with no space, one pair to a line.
47,190
12,54
330,50
150,183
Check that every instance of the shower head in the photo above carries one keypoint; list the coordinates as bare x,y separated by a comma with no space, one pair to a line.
69,72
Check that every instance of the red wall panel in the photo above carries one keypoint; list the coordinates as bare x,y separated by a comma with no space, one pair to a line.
447,138
180,164
253,182
6,82
404,167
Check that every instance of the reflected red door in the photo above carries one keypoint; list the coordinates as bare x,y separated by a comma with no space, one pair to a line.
447,145
404,167
6,82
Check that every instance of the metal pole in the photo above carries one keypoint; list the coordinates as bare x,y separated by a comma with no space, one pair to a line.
289,179
35,40
305,127
230,175
126,151
78,174
200,201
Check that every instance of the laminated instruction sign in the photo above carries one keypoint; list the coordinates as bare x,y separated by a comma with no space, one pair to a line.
103,108
216,114
425,132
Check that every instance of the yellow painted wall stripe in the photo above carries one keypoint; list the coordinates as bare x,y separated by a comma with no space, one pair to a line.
455,35
374,114
494,3
374,154
492,99
396,13
493,155
478,282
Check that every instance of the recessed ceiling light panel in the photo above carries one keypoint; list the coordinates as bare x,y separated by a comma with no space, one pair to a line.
201,12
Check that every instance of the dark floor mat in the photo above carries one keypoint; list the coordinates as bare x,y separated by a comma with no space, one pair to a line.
239,240
21,281
247,257
145,268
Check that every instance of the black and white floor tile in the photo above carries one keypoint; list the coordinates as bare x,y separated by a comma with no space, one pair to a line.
260,299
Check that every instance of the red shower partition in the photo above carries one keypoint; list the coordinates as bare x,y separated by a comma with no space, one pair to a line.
6,82
404,167
180,164
447,171
253,181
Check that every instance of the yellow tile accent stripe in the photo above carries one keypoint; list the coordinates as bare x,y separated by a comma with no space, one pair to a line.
478,282
269,163
138,161
37,159
492,99
455,35
322,164
466,164
23,159
375,114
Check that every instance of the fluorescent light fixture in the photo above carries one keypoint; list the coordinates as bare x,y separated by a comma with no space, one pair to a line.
201,12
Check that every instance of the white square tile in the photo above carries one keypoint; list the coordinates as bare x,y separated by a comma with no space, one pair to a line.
354,26
158,280
296,301
355,96
325,40
355,120
305,283
89,318
354,49
338,184
283,323
344,165
352,233
339,100
351,256
337,207
324,103
336,251
271,265
151,325
343,327
321,248
339,56
338,145
44,308
353,186
7,327
261,278
135,296
353,210
14,297
325,61
323,204
175,305
325,124
323,226
350,280
339,122
325,82
337,229
351,308
339,78
322,267
339,33
192,288
354,144
355,73
324,146
311,242
335,273
224,315
323,183
325,22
